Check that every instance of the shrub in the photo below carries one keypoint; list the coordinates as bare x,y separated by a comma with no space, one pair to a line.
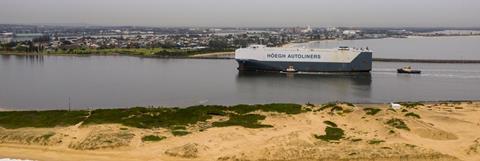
141,117
411,114
19,119
153,138
375,141
328,105
336,108
397,123
274,107
309,104
331,133
371,111
330,123
348,104
180,132
356,140
248,121
411,104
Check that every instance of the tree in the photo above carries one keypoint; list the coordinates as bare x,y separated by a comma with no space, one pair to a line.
218,43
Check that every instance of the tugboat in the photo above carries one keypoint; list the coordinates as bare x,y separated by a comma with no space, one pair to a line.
408,70
290,69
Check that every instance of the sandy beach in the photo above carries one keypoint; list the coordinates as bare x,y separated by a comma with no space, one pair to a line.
434,131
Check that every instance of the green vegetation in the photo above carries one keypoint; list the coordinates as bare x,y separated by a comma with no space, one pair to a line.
185,53
162,52
411,104
309,104
19,119
275,107
331,133
47,135
391,109
356,140
175,119
411,114
391,132
152,138
180,132
141,117
348,104
336,109
410,145
329,105
330,123
371,111
126,51
375,141
397,123
248,121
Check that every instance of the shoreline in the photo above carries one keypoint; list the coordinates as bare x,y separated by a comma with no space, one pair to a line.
7,108
423,131
231,55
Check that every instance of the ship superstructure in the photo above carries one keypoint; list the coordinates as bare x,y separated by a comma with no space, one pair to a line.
342,59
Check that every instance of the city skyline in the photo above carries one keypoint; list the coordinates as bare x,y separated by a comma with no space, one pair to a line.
246,13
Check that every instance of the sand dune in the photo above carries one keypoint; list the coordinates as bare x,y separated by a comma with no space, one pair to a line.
442,132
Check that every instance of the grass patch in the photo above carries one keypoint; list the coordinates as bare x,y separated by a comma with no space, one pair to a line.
331,133
47,135
371,111
308,104
411,104
347,110
180,132
328,105
330,123
152,138
141,117
356,140
274,107
391,109
248,121
397,123
19,119
375,141
178,127
411,114
391,132
410,145
348,104
336,109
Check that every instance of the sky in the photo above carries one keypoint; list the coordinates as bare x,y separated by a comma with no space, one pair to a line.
245,13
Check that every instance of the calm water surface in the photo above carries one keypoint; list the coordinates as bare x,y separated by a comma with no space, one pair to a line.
46,82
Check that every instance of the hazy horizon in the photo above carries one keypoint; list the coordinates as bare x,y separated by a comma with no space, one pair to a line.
245,13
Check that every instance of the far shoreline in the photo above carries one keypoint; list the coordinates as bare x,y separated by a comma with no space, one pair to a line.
213,55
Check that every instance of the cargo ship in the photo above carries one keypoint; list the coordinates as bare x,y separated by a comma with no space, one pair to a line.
341,59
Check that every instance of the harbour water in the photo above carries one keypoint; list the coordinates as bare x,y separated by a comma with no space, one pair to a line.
47,82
